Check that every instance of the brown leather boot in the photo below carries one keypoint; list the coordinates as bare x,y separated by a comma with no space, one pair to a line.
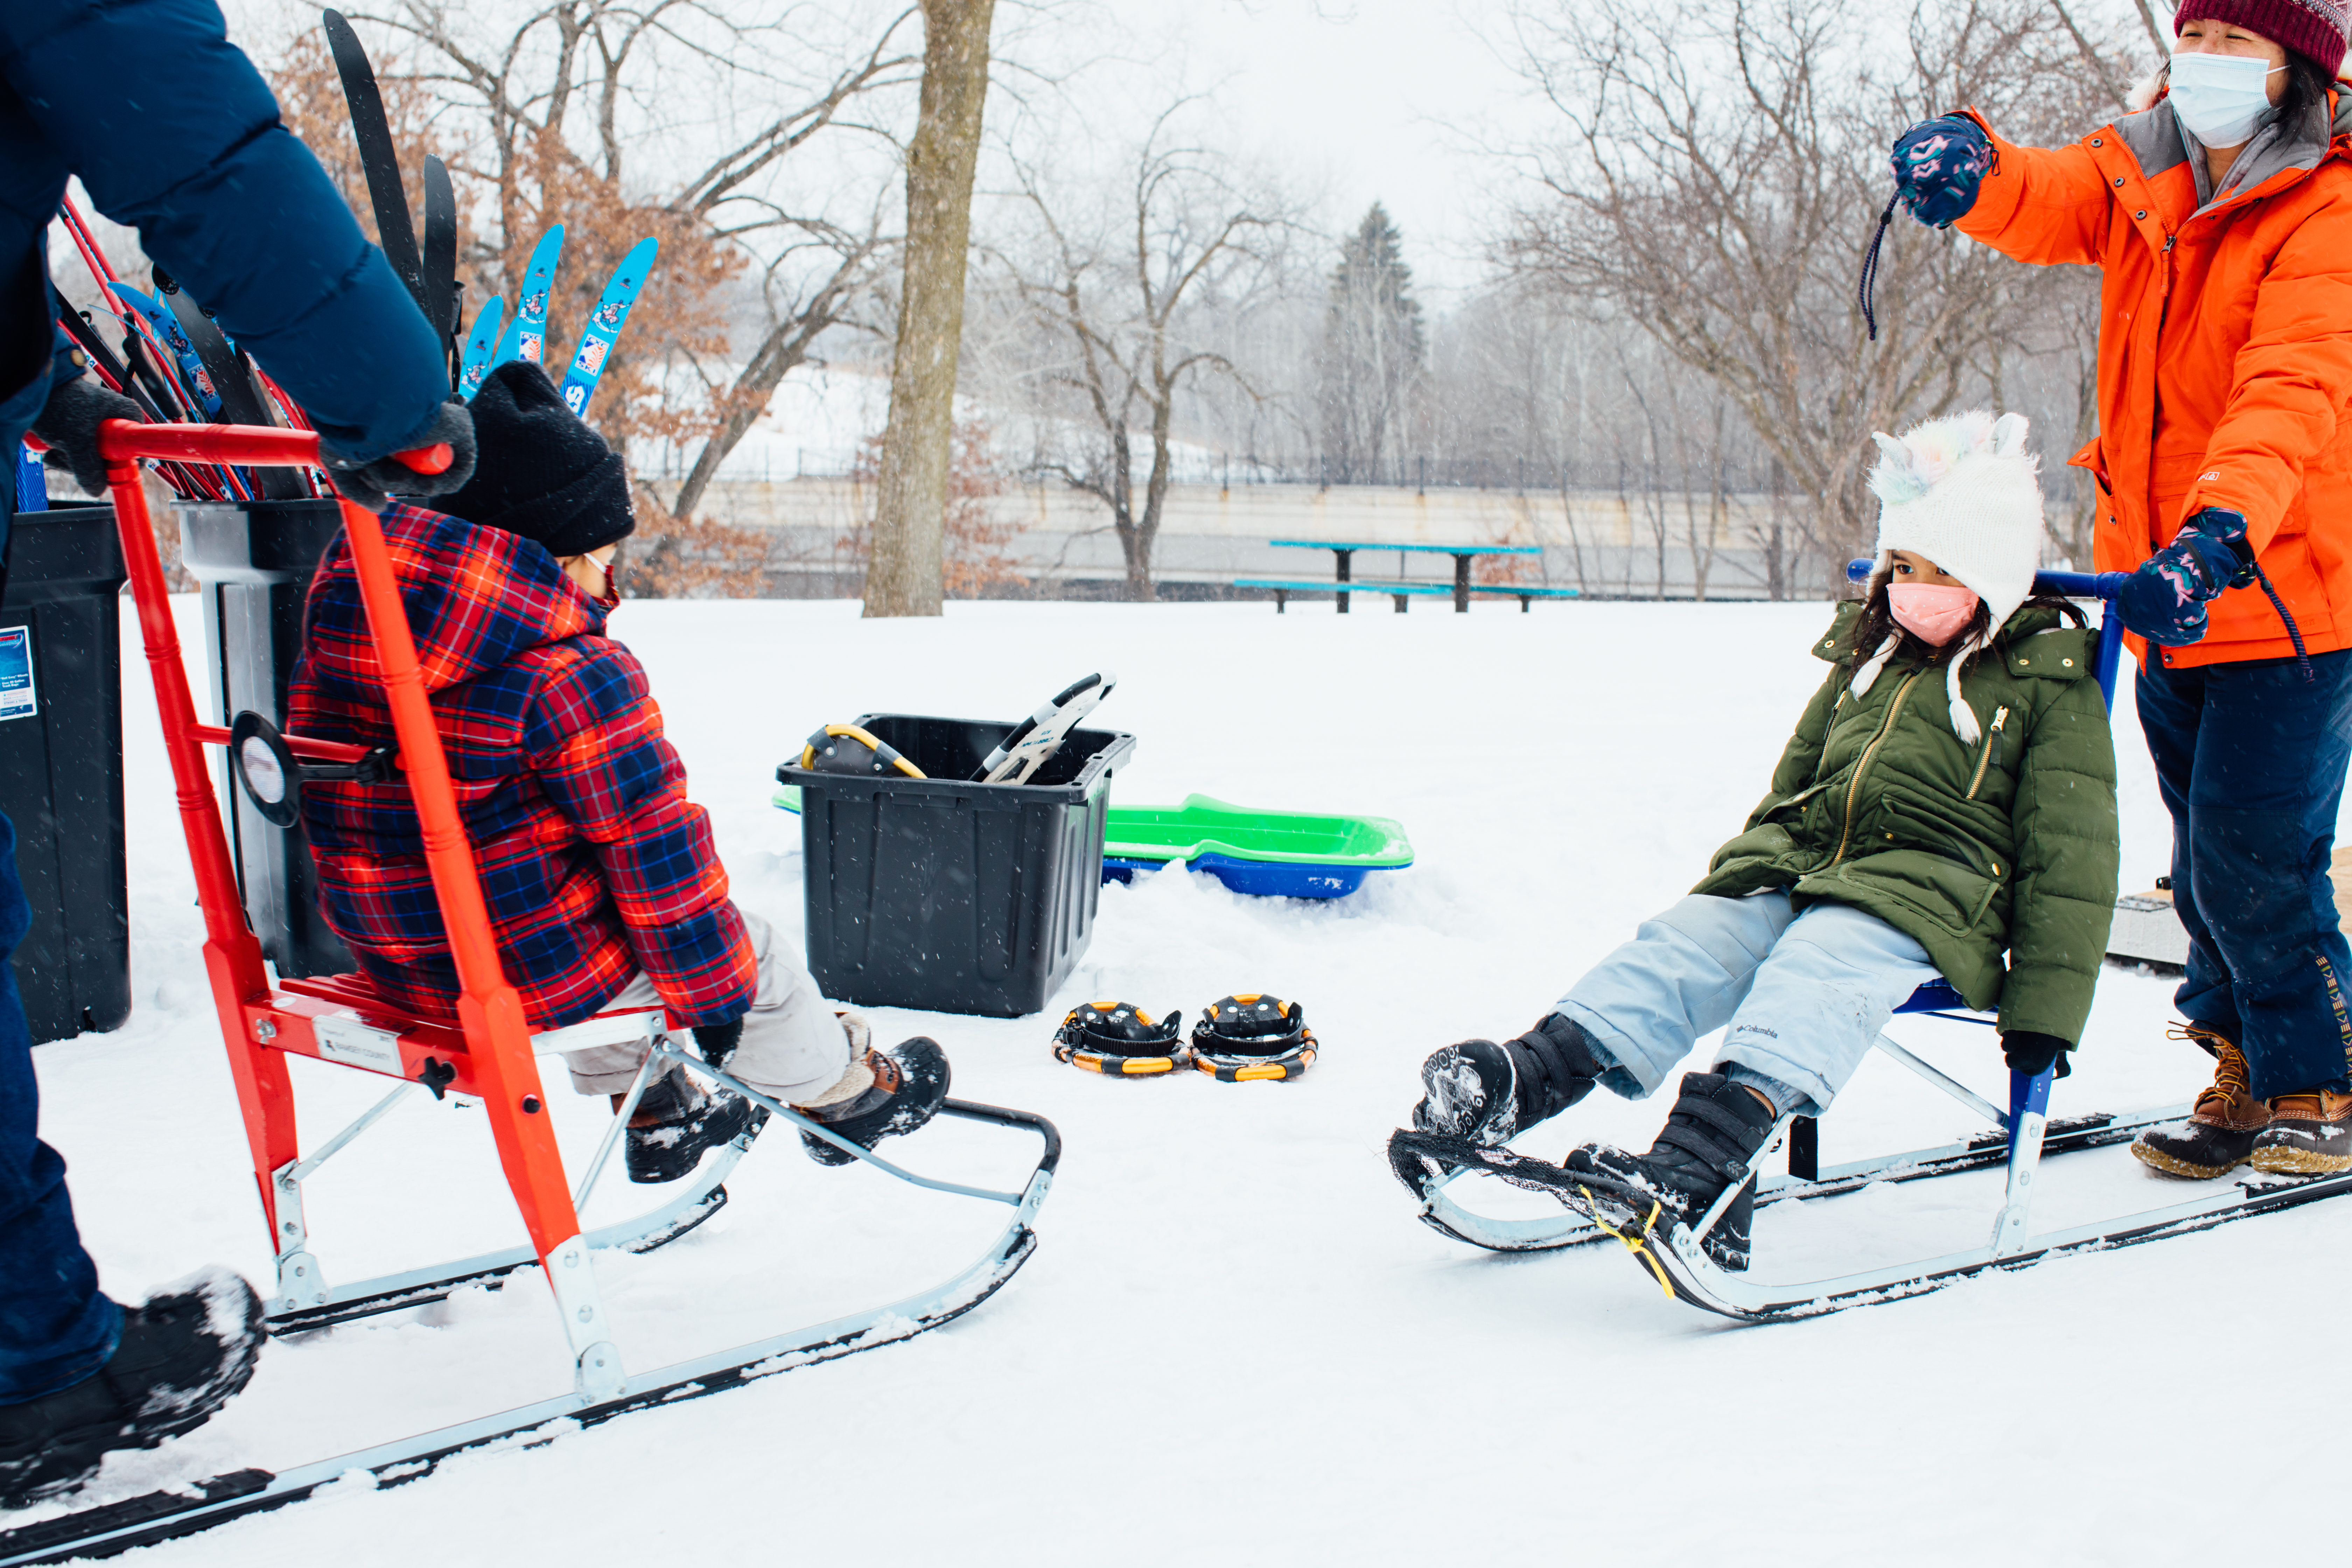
2309,1135
2222,1126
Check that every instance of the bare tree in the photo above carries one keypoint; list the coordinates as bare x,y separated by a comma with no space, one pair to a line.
576,115
1720,169
907,576
1115,299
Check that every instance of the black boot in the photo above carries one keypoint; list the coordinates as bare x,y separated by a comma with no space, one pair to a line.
1714,1130
910,1082
183,1355
1490,1093
677,1121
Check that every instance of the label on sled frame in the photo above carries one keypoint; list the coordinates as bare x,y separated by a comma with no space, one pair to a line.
18,699
347,1038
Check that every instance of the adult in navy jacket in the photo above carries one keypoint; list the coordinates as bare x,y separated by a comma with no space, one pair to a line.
171,130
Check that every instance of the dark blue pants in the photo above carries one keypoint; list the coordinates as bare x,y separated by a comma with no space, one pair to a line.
2251,759
55,1328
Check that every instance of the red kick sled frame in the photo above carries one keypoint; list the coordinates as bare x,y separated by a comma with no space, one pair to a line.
490,1053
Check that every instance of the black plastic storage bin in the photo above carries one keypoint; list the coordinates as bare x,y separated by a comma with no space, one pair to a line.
61,765
255,560
947,896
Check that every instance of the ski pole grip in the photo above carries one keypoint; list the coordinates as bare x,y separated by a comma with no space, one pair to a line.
433,459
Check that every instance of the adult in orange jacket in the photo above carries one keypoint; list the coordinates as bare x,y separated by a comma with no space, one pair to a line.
2220,216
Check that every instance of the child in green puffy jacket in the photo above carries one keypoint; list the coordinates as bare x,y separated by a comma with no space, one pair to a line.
1947,808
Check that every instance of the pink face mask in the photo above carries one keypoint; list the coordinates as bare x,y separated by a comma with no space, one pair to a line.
1932,611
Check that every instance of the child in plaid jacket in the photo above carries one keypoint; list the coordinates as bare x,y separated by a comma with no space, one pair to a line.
604,886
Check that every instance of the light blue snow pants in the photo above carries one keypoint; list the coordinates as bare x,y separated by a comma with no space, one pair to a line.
1803,994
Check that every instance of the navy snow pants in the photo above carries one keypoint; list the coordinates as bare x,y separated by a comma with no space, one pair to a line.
2251,759
54,1327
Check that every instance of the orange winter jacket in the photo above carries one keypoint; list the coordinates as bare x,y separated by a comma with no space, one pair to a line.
2225,352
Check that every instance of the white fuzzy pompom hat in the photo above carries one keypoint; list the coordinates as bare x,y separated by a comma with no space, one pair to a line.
1964,492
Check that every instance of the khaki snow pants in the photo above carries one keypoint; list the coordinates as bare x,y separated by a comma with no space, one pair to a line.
794,1047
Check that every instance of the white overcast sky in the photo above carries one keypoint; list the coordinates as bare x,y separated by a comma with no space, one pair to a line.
1348,102
1358,101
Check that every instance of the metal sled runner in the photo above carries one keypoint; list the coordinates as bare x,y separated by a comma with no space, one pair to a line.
487,1053
1429,1164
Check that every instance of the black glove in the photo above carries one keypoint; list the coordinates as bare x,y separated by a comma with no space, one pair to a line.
373,484
2030,1052
2165,600
718,1041
69,423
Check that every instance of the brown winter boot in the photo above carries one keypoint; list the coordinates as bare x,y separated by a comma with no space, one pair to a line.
2222,1126
2309,1135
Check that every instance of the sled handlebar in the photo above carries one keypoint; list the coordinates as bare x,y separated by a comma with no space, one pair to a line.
122,441
2070,584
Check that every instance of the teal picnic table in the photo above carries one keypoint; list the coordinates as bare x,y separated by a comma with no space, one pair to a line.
1345,549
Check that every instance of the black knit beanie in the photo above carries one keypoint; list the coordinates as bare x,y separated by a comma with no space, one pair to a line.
538,471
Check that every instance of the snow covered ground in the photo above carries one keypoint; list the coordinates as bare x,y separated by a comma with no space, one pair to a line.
1235,1344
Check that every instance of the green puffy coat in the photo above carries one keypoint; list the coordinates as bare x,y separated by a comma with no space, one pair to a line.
2006,846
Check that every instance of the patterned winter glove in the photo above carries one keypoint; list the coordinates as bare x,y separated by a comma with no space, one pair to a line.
718,1041
2165,600
1938,163
372,484
69,423
2030,1052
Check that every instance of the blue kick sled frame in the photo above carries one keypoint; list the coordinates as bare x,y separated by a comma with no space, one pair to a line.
1429,1164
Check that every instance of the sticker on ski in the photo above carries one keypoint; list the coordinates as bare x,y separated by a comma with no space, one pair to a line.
1036,739
17,697
526,335
485,338
604,324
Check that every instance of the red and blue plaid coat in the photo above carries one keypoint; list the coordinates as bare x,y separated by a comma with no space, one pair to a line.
594,863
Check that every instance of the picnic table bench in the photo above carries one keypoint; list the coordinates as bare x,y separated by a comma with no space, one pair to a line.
1344,551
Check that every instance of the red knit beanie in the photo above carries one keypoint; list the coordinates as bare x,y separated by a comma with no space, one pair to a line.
2317,29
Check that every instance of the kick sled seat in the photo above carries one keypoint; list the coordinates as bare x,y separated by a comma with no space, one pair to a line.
486,1052
1429,1164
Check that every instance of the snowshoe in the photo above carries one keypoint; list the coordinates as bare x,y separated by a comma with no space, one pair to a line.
677,1121
1033,740
1119,1039
183,1355
2224,1126
1710,1137
2308,1135
910,1082
1489,1094
1253,1038
846,749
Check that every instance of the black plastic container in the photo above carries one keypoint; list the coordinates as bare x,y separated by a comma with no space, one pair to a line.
254,561
953,897
61,765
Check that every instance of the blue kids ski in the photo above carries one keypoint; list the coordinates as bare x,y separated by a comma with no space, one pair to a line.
477,363
604,325
526,335
168,331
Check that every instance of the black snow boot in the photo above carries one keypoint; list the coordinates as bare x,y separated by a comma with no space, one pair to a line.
1490,1093
1711,1136
677,1121
910,1082
183,1355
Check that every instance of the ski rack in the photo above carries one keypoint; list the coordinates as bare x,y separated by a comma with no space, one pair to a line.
487,1054
1428,1163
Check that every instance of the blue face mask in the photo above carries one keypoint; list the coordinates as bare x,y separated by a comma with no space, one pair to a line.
2220,98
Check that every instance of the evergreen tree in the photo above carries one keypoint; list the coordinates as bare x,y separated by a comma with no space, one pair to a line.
1372,354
